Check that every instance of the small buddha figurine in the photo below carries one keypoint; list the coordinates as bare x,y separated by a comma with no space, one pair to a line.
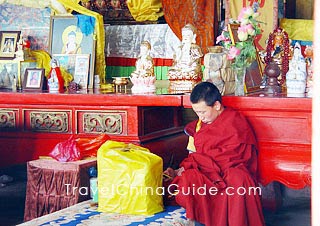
143,76
20,52
278,50
308,52
55,79
186,61
297,75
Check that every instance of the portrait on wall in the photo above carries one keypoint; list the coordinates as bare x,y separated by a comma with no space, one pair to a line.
68,37
33,79
8,44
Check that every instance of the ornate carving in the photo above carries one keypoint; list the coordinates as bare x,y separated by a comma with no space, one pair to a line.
47,121
7,119
99,122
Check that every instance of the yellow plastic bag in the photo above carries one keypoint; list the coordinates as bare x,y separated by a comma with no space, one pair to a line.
129,179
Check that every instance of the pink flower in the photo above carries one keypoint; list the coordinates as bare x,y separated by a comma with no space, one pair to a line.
233,53
241,15
247,12
242,33
220,38
251,31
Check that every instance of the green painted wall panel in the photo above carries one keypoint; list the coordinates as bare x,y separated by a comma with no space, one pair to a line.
120,71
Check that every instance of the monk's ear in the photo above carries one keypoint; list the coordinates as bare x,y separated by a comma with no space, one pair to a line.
217,105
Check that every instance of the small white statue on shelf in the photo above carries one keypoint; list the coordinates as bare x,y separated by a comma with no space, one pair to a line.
55,79
20,52
297,75
186,68
143,78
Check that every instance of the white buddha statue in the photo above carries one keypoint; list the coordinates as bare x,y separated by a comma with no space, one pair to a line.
186,66
297,75
143,77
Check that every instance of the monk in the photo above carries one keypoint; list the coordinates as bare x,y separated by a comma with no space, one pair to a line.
217,183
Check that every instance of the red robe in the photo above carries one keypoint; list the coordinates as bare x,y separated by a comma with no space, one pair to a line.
225,157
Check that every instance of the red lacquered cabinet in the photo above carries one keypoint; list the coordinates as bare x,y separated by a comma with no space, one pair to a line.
31,124
283,129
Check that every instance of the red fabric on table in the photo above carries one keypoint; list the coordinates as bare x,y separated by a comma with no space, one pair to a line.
47,191
226,156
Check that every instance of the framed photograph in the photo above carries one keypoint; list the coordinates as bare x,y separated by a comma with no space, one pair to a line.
8,44
66,37
23,66
78,65
66,61
81,70
254,75
33,79
233,31
9,74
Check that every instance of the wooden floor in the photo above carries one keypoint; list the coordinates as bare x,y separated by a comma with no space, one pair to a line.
294,212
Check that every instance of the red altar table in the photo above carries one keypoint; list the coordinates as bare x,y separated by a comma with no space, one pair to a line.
33,123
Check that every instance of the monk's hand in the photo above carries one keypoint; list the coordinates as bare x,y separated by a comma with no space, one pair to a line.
169,174
179,171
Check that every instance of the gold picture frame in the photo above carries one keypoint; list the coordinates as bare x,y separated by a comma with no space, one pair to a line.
8,44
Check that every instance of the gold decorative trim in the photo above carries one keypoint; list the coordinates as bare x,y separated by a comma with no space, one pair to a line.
49,121
100,122
7,119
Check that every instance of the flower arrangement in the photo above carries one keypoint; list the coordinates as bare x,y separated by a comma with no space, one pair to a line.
243,51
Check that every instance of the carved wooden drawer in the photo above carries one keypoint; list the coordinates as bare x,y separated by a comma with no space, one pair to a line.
9,119
112,122
47,121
